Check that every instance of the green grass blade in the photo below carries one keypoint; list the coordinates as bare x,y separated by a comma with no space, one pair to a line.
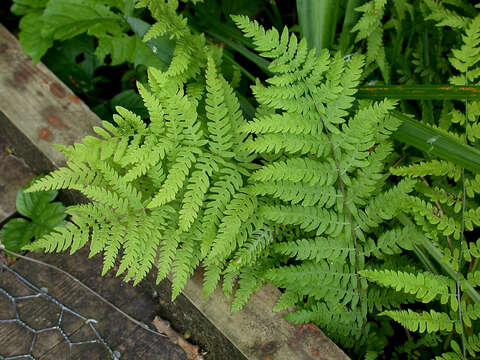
436,143
420,92
318,22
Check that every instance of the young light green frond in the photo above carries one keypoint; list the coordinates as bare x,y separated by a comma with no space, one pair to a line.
221,192
76,174
195,191
286,300
151,240
256,247
425,286
425,321
220,125
175,178
238,214
58,240
248,283
309,218
291,144
298,169
268,43
185,263
432,167
120,184
386,205
168,21
128,119
155,110
370,28
251,251
291,123
299,192
337,283
314,249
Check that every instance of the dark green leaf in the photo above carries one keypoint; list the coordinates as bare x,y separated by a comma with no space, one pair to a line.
130,100
33,204
16,233
52,215
22,7
32,42
65,19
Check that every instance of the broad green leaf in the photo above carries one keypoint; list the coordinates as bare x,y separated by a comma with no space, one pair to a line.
23,7
33,204
130,100
65,19
420,92
74,62
51,217
16,233
125,48
32,42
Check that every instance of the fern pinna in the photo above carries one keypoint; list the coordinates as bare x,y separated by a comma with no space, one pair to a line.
159,190
324,183
445,205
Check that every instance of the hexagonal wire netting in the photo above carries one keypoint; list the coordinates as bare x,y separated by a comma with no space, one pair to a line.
41,293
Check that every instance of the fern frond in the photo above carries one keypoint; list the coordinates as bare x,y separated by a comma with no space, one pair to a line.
196,190
249,282
298,169
425,286
425,321
175,178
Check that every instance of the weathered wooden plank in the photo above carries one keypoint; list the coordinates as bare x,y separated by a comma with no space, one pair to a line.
14,174
40,108
58,117
120,333
257,331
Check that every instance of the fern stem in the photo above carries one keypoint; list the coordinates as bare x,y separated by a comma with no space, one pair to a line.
440,212
345,204
459,267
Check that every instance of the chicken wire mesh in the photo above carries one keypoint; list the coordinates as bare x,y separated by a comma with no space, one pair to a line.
35,331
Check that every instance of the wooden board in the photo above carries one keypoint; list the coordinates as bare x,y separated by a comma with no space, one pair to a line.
122,335
54,115
14,174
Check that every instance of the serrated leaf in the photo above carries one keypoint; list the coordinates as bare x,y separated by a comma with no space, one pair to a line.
33,44
51,216
32,204
16,233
